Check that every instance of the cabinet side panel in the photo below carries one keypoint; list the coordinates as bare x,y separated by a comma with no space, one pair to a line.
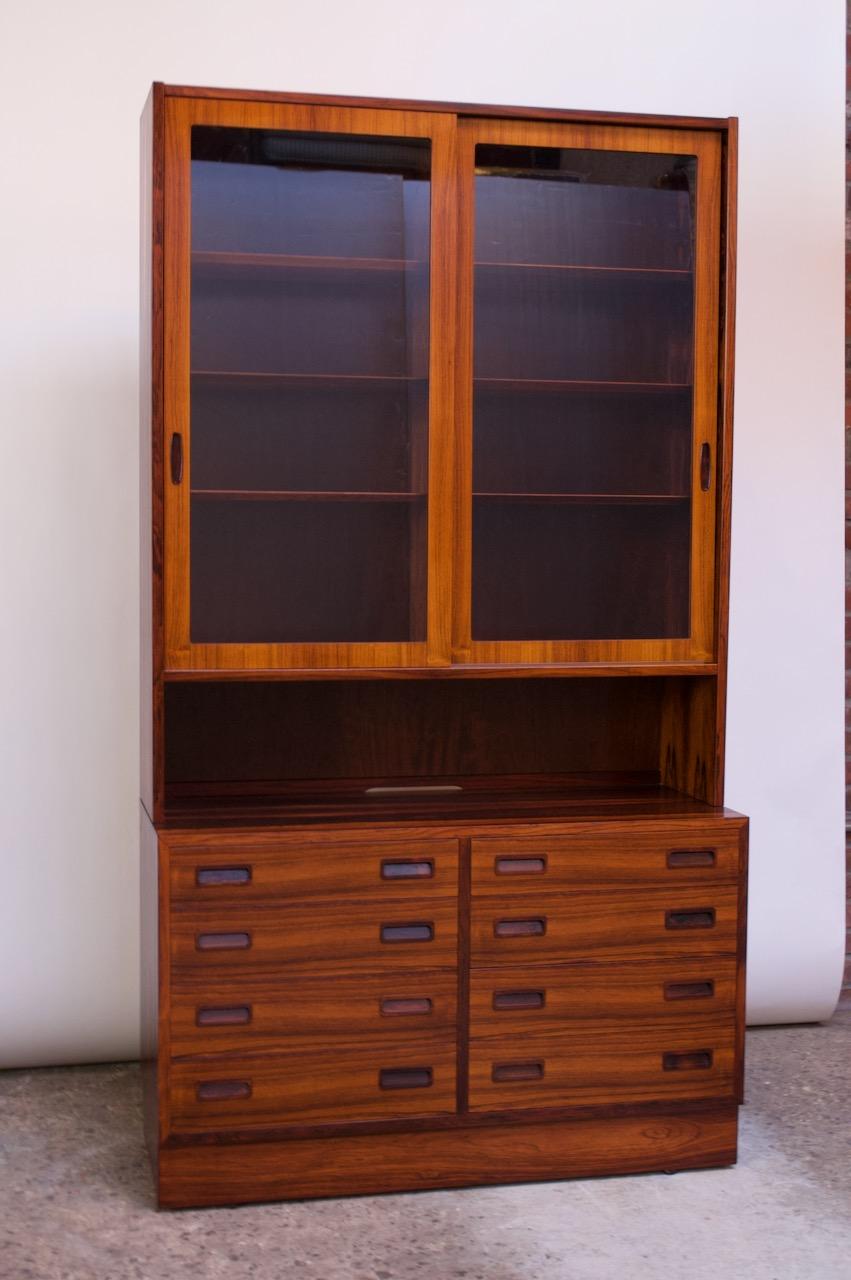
725,439
150,451
149,1009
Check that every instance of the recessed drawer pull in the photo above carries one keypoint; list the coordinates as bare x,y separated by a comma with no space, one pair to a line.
689,990
520,928
400,1006
427,790
223,1090
405,1077
407,869
407,932
511,1072
698,1060
703,918
691,858
516,866
519,999
236,1015
222,941
223,875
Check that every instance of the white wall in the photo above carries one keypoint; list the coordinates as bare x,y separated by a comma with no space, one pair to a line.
73,79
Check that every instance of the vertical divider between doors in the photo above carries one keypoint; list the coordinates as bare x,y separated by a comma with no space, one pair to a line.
463,1013
441,405
462,581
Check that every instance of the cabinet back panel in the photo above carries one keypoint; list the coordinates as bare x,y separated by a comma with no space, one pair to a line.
220,732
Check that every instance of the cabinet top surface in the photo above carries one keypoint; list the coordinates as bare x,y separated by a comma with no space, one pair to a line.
517,111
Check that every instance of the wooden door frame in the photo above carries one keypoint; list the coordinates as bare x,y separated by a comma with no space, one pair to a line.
706,146
181,113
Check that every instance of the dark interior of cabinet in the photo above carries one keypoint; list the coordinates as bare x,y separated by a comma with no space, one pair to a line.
337,740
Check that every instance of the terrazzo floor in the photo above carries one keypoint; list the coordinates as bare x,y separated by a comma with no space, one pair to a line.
76,1202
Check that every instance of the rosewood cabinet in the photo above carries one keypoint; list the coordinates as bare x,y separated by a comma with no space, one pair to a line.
438,886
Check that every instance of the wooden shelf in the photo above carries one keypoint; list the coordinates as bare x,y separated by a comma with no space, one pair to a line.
682,274
450,671
586,499
519,799
236,377
304,495
579,384
300,262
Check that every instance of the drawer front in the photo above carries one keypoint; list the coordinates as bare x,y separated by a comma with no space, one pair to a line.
382,1082
638,1063
657,854
256,1013
521,1000
617,924
243,870
320,937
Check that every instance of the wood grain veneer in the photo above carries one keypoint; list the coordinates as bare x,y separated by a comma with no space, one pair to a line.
451,910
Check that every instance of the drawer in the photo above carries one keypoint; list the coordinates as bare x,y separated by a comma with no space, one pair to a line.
265,1012
247,869
320,937
350,1083
644,853
521,1000
637,1063
616,924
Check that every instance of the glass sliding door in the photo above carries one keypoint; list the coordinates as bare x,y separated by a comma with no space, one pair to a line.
583,403
306,454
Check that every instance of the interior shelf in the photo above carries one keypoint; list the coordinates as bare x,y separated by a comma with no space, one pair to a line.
304,495
306,380
585,499
301,262
650,273
581,384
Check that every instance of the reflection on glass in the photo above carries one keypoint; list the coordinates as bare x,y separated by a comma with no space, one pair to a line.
583,333
309,391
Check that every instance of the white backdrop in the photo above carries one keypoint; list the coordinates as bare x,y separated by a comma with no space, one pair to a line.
73,78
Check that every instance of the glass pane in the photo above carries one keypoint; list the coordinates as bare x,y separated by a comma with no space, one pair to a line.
309,392
582,418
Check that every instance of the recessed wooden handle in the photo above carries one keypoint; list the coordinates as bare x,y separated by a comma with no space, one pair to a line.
236,1015
517,866
504,1000
696,1060
407,932
405,1077
425,790
689,990
222,875
222,941
176,457
511,1072
702,918
533,928
691,858
407,869
401,1006
705,466
223,1090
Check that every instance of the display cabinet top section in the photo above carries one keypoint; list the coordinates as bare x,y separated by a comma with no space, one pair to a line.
456,108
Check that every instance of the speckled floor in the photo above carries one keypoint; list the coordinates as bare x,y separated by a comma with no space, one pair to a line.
75,1200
